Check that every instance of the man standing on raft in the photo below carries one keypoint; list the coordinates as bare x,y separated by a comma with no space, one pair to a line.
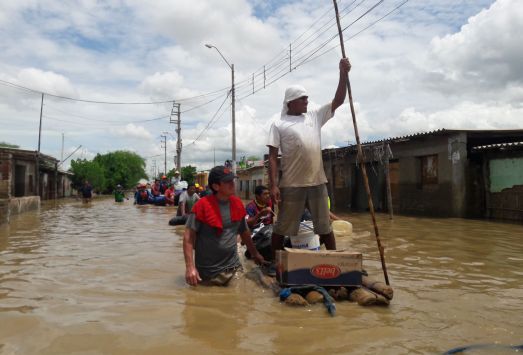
297,133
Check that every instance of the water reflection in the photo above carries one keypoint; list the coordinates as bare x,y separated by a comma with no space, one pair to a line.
109,277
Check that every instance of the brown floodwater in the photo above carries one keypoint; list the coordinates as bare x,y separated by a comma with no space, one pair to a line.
109,278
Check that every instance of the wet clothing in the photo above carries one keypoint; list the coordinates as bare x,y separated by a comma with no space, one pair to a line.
217,225
209,211
169,197
292,205
143,197
87,191
119,195
253,209
163,186
303,178
222,279
188,200
155,189
299,140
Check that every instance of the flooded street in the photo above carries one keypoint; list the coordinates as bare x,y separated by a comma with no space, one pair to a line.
109,278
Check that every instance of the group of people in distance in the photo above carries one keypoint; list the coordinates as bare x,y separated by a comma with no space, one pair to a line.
216,221
163,192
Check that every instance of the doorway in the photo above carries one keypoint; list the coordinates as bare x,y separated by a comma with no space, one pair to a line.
20,180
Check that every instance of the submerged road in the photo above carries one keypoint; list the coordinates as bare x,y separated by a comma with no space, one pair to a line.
109,278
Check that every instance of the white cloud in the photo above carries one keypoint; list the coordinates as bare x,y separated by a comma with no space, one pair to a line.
444,64
162,85
132,131
484,54
47,81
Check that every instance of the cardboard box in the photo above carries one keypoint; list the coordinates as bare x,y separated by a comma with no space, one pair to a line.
323,268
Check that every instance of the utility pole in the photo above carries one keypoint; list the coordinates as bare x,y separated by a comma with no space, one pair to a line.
62,154
233,113
175,112
40,126
37,165
233,124
164,146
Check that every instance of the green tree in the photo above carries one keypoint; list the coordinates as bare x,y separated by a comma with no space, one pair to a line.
121,167
253,158
84,169
8,145
106,171
188,173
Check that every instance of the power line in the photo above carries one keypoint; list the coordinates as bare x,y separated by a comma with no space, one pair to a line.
308,57
268,70
84,100
285,70
211,120
239,85
253,119
357,33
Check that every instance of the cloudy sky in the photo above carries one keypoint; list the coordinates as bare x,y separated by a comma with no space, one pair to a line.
111,69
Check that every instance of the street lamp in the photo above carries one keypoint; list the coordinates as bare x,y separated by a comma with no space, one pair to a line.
233,113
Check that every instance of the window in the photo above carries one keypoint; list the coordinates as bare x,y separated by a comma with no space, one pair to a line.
429,170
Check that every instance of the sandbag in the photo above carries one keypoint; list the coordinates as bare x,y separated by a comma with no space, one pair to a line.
378,287
365,297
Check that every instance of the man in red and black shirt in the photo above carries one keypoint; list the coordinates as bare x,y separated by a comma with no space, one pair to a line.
259,210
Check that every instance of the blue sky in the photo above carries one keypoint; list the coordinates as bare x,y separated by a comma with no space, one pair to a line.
418,69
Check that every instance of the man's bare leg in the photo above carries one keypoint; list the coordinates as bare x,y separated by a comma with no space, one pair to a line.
277,243
327,239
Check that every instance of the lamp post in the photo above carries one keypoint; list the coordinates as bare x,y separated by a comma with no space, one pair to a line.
233,113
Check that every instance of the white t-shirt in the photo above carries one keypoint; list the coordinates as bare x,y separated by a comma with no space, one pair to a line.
299,139
189,200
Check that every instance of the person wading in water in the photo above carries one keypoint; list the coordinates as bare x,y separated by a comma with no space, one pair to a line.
211,231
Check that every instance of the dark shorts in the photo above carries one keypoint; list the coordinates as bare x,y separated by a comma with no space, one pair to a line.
292,205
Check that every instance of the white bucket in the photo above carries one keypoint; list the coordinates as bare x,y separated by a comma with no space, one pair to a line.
306,239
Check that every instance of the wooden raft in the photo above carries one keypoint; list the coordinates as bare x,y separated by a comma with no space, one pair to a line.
370,293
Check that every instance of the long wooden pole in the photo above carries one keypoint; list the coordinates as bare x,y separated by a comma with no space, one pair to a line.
360,154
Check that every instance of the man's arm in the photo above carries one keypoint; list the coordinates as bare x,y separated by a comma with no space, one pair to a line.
253,220
246,239
191,273
341,91
273,174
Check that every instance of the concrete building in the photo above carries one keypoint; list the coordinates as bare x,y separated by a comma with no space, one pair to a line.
250,177
448,173
23,186
202,178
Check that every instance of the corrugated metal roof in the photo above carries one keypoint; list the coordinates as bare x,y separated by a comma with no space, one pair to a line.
440,131
499,146
413,135
27,153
